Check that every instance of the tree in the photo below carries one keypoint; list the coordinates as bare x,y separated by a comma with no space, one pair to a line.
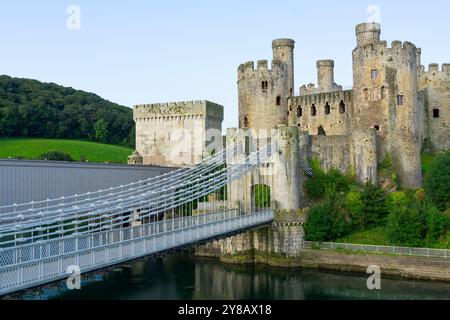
374,205
437,223
355,208
101,131
437,182
320,224
406,226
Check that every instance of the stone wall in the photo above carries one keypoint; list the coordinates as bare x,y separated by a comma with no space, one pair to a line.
385,97
435,85
176,134
331,111
276,245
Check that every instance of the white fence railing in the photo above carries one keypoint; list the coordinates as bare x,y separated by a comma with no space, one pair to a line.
419,252
35,264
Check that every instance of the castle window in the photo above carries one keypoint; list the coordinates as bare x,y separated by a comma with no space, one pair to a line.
299,112
383,92
374,74
342,107
436,113
400,100
278,101
327,108
291,91
377,128
313,110
245,122
264,85
321,131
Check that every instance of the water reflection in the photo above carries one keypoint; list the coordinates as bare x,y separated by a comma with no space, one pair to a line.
181,276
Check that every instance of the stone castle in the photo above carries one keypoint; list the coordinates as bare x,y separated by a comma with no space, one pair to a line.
396,108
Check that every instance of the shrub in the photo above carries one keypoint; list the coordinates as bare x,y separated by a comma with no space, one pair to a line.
327,221
55,156
355,207
437,181
406,226
437,223
320,224
317,186
374,204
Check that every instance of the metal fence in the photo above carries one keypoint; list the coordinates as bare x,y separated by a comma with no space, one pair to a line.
419,252
39,263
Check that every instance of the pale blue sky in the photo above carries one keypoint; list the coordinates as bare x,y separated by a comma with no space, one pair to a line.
140,51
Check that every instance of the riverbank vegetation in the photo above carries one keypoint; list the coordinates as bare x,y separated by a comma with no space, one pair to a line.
381,215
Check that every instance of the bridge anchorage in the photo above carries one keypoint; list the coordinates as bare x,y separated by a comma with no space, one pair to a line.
39,241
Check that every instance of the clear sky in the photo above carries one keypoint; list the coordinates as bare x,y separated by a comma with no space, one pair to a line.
138,51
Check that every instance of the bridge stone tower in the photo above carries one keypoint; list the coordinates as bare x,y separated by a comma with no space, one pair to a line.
281,174
385,98
263,92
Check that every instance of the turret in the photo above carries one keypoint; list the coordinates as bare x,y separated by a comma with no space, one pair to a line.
368,33
283,50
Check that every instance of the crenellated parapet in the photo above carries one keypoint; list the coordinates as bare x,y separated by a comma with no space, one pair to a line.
335,97
179,110
248,71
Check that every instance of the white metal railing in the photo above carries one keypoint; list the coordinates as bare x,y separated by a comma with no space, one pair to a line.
419,252
107,211
39,263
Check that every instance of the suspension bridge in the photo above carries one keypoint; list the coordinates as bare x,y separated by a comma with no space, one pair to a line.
39,241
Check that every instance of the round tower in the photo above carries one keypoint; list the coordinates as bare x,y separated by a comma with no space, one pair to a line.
325,75
263,94
283,50
385,98
368,33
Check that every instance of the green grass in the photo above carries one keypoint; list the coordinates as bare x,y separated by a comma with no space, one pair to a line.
31,148
377,237
374,236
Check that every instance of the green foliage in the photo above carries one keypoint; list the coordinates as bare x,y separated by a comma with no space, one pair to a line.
101,131
374,205
29,108
32,148
317,186
262,196
406,226
55,156
437,223
327,221
320,224
355,207
437,181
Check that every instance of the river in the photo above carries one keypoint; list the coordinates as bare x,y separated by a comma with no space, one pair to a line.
182,276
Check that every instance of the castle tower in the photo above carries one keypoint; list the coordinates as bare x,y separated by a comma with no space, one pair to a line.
263,92
325,77
386,98
283,50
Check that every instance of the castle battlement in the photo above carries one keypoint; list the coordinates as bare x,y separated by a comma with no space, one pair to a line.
434,69
180,108
332,98
262,66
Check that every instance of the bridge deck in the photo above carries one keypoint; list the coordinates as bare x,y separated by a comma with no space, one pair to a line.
35,264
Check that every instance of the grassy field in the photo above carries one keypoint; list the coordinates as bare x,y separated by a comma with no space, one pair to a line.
30,148
377,236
